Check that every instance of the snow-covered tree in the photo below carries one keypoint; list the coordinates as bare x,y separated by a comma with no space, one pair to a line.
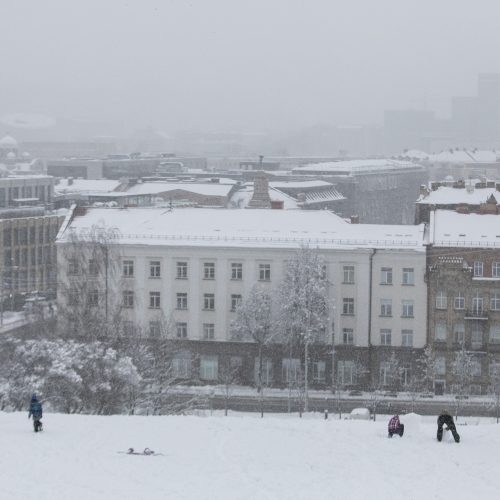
462,369
254,323
494,388
303,305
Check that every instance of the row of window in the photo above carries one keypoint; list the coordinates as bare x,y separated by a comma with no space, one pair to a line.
29,256
478,268
477,333
29,235
477,301
406,308
385,337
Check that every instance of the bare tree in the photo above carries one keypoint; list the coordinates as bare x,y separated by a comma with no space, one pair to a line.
463,372
254,322
494,389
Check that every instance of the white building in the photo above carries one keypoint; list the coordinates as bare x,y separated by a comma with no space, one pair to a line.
195,264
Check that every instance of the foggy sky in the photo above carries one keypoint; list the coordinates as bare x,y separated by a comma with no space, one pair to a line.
243,65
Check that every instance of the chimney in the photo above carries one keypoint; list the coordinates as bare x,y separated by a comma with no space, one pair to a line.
423,190
435,185
277,204
301,198
260,198
354,219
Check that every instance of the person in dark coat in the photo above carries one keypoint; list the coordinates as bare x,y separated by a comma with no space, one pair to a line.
36,413
395,426
446,419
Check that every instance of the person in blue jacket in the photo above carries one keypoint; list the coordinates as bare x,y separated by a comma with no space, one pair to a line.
36,413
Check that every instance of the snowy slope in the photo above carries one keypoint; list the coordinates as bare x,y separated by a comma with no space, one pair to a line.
279,457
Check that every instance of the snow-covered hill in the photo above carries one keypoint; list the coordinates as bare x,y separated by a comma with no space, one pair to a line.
243,457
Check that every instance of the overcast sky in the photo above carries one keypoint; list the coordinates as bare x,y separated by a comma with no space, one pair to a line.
244,65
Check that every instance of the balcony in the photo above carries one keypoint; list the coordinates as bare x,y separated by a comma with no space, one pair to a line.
476,314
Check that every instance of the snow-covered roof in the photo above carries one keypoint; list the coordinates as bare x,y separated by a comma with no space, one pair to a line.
449,229
464,156
245,228
299,184
86,186
242,197
8,142
205,188
445,195
354,167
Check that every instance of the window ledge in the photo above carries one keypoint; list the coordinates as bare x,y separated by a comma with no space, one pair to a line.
408,317
181,277
407,284
385,284
348,283
385,315
154,277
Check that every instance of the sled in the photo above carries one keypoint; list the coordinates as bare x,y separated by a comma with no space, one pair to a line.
146,452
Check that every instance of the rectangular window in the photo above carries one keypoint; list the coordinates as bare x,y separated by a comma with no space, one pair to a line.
209,271
267,371
7,237
128,268
73,297
182,271
440,365
209,367
154,329
478,268
128,298
154,300
385,336
459,333
319,372
495,334
475,368
477,304
154,269
495,269
385,373
236,271
235,302
129,328
386,276
459,301
182,301
73,268
405,376
93,298
407,338
407,309
348,306
181,367
349,274
181,330
385,307
408,276
345,372
290,370
495,301
265,272
209,302
347,336
440,332
477,335
441,300
93,267
208,331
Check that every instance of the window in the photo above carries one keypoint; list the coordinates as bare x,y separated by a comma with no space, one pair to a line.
181,366
405,376
348,336
494,369
7,237
182,270
72,266
265,272
349,274
93,268
93,298
235,302
128,298
154,269
182,301
209,367
154,329
475,368
267,371
477,335
208,331
495,269
440,365
236,271
128,328
319,372
459,301
345,372
73,297
441,300
440,332
154,300
407,309
386,276
495,301
290,370
128,268
385,307
477,304
495,334
209,271
459,332
209,302
385,373
478,268
407,338
385,336
348,306
181,330
408,276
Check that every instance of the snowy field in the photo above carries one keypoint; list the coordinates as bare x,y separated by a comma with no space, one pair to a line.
244,457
